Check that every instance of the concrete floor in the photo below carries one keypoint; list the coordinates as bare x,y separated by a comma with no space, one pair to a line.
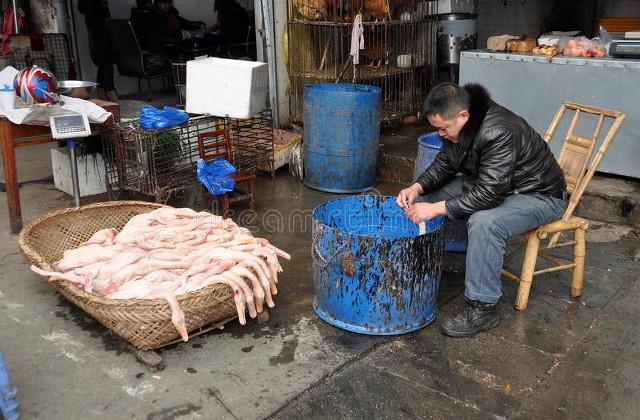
559,359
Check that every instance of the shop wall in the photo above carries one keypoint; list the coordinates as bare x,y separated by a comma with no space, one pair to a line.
621,8
47,15
517,17
530,17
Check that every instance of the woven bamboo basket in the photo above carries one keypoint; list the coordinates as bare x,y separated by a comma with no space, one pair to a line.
145,323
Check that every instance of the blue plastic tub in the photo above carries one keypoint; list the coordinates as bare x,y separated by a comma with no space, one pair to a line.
373,272
455,232
341,133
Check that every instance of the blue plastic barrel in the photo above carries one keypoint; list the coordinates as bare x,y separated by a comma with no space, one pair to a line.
8,400
341,132
428,148
455,231
374,273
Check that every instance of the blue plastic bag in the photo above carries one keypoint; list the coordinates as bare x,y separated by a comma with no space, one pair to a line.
153,118
215,175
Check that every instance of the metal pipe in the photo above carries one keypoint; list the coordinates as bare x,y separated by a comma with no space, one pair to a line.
15,16
71,144
71,22
267,15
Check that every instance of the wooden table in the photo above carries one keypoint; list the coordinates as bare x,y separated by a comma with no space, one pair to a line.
13,136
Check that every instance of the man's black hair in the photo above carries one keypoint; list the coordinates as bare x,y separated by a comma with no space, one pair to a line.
446,99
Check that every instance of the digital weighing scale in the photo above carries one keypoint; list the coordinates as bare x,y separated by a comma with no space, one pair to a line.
71,127
629,48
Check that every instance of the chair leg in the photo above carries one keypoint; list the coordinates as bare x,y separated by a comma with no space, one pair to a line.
224,204
150,91
528,267
205,197
579,252
252,191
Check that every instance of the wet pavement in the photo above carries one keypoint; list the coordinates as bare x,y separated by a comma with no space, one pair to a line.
559,359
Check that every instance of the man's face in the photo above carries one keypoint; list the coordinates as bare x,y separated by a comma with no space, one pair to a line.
449,129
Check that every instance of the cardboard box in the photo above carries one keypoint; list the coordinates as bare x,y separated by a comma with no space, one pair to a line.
91,173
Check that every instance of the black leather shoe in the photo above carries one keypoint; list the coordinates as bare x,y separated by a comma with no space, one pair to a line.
474,317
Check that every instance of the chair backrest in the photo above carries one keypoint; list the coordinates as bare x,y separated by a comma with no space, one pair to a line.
126,48
215,144
145,25
577,151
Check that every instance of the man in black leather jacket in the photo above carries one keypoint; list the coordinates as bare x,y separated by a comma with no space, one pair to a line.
510,183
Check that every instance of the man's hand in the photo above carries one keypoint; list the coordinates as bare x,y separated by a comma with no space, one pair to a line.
408,196
423,212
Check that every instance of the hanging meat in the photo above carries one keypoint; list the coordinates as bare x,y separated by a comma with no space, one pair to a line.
169,252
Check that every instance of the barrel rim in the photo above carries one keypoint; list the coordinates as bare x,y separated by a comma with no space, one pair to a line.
366,89
336,190
424,140
439,219
371,330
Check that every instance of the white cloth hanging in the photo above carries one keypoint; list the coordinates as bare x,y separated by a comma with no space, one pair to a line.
357,38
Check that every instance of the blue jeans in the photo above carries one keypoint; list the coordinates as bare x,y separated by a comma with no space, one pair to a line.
489,230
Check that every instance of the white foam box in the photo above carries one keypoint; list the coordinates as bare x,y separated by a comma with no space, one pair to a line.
221,87
91,173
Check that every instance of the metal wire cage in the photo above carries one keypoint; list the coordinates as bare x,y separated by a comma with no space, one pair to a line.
163,163
252,140
156,163
399,52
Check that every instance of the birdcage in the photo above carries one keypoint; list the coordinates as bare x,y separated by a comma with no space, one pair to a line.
163,163
399,52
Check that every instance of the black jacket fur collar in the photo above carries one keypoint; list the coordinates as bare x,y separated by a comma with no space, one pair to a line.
478,108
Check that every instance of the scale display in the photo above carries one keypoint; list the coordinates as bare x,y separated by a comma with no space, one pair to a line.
69,126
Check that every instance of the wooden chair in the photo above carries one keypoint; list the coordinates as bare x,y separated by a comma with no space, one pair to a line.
215,144
574,160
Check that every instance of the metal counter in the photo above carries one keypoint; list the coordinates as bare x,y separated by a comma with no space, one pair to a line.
533,87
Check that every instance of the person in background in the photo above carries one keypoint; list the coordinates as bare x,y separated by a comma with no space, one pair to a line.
172,26
232,23
95,12
145,22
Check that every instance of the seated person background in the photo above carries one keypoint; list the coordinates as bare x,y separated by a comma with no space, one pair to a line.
161,30
144,21
233,24
171,25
